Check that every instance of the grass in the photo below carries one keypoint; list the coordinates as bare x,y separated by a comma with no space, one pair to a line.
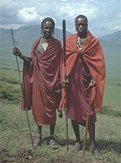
15,136
112,95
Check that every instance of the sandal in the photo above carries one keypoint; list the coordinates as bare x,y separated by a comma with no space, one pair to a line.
77,147
94,151
53,144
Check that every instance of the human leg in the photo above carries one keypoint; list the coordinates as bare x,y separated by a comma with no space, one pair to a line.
39,139
52,130
91,130
39,129
75,126
52,141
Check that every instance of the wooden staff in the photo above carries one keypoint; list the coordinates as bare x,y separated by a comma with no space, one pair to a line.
64,60
87,123
27,116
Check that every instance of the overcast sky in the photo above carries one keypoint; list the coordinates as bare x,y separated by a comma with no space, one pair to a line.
104,16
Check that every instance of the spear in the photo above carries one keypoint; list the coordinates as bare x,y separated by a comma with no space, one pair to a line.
18,68
87,124
64,59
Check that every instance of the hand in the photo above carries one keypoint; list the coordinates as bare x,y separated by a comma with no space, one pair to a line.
60,114
16,51
65,83
57,88
91,84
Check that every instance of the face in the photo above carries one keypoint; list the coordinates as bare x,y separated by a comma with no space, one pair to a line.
81,26
47,29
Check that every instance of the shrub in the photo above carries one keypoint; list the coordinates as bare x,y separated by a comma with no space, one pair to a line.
9,92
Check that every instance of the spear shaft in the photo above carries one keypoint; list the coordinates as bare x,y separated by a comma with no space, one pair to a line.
64,60
18,68
13,40
87,124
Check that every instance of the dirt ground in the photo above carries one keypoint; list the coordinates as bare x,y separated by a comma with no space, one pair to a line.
21,156
24,156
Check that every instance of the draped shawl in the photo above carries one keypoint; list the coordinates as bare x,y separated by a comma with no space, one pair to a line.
92,55
39,80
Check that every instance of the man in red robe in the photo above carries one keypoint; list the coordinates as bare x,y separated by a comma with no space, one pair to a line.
85,71
41,77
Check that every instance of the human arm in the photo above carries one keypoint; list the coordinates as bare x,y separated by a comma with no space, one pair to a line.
58,98
18,53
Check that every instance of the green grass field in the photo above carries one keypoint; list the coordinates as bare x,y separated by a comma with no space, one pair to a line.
15,142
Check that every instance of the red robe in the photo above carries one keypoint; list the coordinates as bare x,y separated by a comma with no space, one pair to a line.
39,80
89,56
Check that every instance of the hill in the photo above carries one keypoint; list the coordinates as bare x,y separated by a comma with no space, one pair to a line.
114,38
24,37
112,55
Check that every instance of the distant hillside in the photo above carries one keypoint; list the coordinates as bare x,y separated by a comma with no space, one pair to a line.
112,55
112,50
114,38
24,37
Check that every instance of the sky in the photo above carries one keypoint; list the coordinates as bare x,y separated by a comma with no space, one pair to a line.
104,16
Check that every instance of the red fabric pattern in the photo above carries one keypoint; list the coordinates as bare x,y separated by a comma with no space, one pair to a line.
39,81
92,54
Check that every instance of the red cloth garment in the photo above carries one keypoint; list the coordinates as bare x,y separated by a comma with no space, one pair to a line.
39,80
89,60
